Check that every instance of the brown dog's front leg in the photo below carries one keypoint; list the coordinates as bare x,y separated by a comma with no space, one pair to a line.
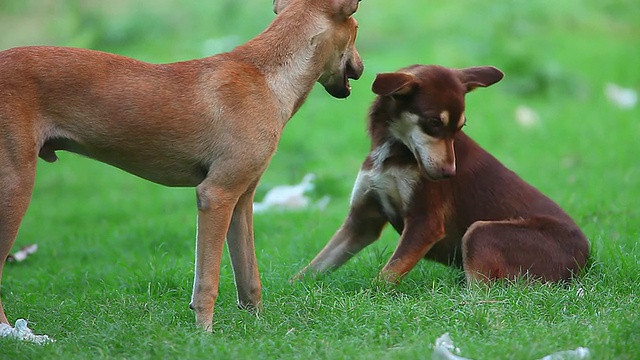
362,227
215,206
240,239
416,240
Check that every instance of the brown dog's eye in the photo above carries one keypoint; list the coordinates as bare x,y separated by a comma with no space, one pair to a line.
432,126
434,122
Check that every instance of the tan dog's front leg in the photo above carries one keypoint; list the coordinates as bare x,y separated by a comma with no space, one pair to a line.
17,172
215,205
240,239
416,240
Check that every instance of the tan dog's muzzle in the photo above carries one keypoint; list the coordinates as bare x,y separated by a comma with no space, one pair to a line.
353,69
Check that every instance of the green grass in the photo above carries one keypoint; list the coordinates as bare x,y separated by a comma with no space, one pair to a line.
113,275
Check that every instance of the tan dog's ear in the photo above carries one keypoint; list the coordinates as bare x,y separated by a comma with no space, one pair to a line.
278,5
344,8
387,84
341,8
480,76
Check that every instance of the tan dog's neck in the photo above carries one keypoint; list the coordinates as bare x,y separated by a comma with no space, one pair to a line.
290,62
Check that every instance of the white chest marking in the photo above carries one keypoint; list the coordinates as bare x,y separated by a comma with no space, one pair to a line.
394,188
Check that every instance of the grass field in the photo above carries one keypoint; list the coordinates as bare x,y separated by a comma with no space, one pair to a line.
113,275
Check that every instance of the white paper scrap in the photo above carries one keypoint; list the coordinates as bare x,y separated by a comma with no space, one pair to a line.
23,333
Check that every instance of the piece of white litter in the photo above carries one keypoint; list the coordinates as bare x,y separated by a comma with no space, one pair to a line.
624,98
526,116
577,354
290,197
23,333
445,350
22,254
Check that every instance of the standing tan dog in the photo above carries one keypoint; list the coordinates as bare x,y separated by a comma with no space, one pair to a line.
484,219
212,123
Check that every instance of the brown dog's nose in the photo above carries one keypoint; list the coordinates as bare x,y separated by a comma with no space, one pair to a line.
448,171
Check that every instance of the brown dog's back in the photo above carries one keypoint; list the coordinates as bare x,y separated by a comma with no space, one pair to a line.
482,191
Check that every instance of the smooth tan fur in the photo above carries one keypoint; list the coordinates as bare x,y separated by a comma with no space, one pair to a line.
449,199
212,123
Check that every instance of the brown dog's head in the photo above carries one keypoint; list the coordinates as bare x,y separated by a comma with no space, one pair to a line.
426,106
335,43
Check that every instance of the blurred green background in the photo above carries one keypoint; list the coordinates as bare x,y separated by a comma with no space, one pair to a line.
557,55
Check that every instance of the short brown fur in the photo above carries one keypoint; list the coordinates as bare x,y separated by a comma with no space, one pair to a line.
212,123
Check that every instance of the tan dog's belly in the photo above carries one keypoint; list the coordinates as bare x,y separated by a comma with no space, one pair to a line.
162,169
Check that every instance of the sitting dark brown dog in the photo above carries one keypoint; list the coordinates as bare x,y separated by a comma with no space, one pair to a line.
484,219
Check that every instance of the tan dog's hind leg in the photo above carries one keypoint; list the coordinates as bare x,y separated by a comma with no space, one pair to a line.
17,173
215,206
240,239
542,247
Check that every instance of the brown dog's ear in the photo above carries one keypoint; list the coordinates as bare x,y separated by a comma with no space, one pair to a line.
278,5
344,8
387,84
480,76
